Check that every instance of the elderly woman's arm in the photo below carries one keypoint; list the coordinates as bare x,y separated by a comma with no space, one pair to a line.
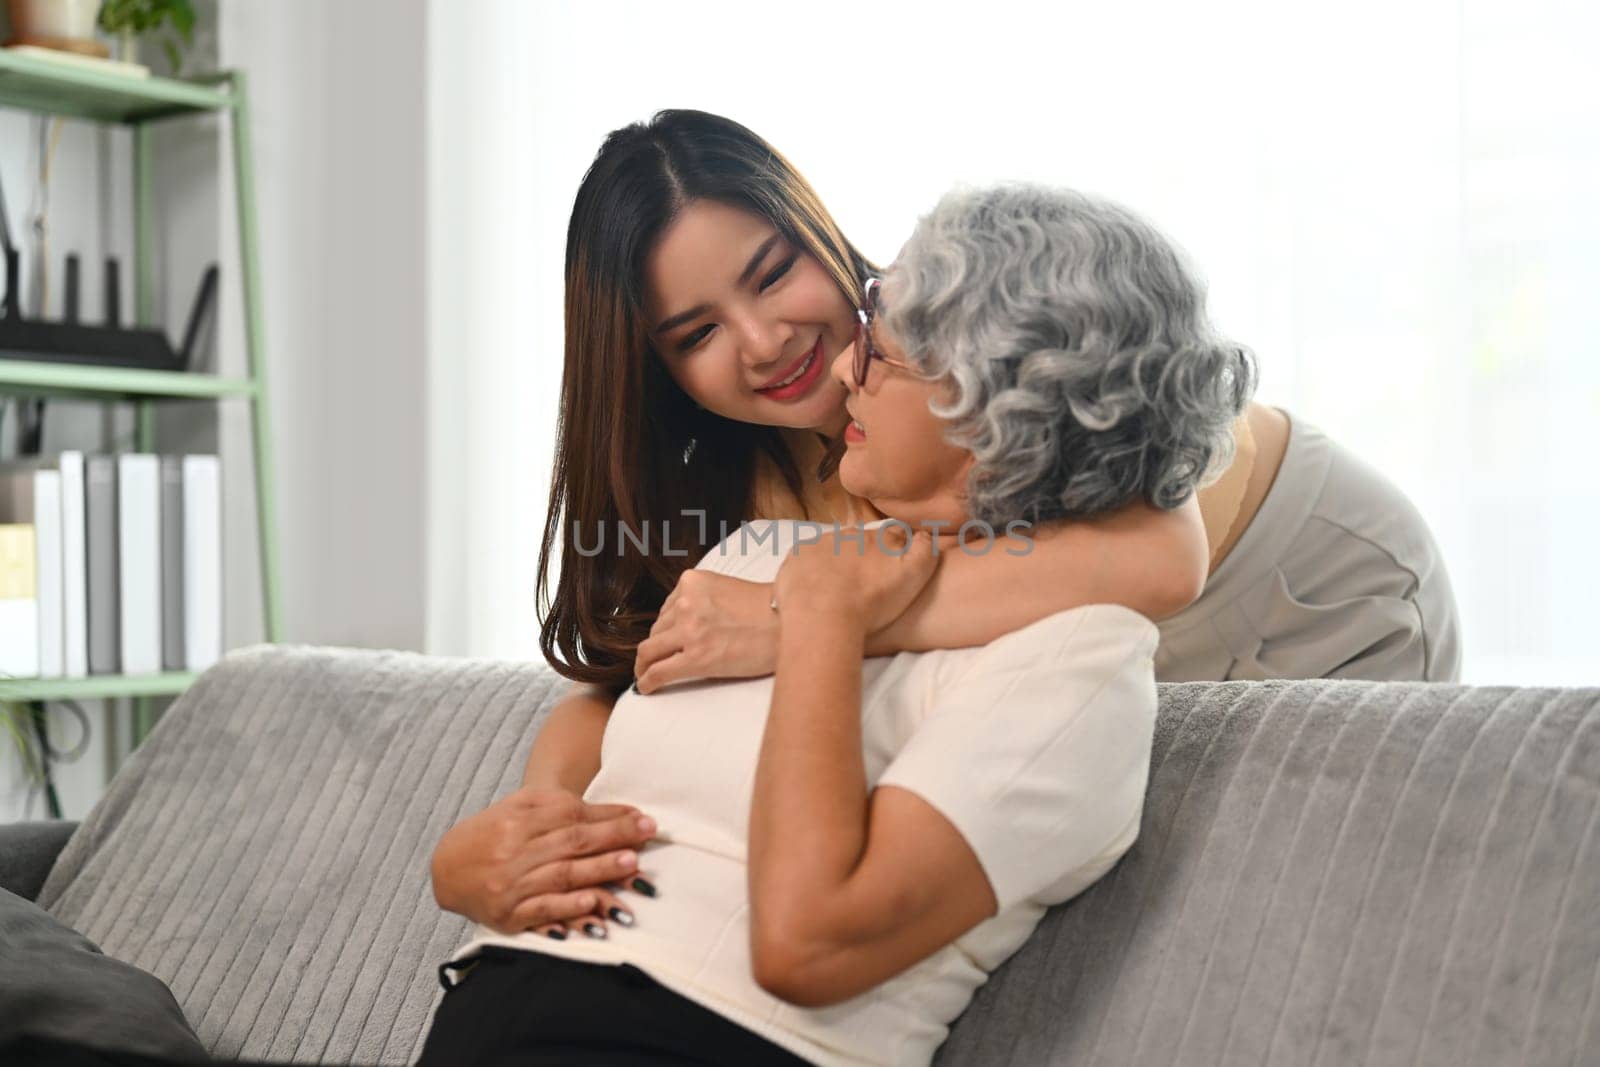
851,886
846,889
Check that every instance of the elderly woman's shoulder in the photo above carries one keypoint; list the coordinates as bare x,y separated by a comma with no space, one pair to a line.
1088,639
1096,660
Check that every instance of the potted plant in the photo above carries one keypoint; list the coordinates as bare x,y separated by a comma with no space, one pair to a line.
65,25
127,20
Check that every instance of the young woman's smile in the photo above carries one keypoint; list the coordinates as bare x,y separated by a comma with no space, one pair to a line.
745,321
798,379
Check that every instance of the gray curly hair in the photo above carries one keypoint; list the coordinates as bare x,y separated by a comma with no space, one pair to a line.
1074,337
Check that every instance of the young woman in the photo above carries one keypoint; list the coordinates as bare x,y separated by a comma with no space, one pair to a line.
706,287
852,847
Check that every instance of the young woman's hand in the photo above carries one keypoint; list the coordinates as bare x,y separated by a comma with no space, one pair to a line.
711,626
874,576
540,859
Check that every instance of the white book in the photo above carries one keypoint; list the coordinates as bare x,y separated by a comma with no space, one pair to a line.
47,544
74,569
31,494
139,561
19,602
202,560
19,637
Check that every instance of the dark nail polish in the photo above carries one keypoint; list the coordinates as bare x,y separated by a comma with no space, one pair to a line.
635,686
559,935
625,918
644,887
595,930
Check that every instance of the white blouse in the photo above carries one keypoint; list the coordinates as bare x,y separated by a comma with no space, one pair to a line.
1036,747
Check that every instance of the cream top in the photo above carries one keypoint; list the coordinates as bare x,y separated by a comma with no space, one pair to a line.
1036,747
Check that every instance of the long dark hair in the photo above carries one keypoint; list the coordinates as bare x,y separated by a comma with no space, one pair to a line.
632,449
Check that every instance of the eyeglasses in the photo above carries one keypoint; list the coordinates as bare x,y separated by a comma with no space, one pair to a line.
866,350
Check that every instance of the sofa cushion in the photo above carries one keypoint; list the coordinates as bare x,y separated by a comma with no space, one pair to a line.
27,852
54,983
265,852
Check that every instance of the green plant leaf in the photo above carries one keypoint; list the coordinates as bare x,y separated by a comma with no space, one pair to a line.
149,16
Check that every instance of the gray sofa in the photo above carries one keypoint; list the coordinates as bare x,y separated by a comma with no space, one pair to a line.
1328,872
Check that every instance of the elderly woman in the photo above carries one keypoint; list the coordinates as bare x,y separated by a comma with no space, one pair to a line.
846,849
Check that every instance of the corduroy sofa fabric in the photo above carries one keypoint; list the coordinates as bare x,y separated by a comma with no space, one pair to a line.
1328,872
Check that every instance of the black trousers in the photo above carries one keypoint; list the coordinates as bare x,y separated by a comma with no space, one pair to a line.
511,1008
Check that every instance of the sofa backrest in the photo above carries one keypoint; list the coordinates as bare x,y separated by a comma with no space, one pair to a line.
1333,872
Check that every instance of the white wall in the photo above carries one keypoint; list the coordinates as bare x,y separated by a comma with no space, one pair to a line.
338,93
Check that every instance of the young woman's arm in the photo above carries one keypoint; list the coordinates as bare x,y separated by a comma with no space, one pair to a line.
566,752
1153,561
1140,557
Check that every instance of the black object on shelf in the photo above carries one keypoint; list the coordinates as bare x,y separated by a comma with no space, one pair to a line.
113,293
197,315
13,304
69,310
110,345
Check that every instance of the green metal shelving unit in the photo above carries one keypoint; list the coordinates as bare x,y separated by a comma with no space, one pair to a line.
56,89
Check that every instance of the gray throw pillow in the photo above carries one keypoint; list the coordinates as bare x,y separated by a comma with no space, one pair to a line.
55,983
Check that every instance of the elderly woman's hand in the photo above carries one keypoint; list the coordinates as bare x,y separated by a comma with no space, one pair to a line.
873,574
711,626
539,859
